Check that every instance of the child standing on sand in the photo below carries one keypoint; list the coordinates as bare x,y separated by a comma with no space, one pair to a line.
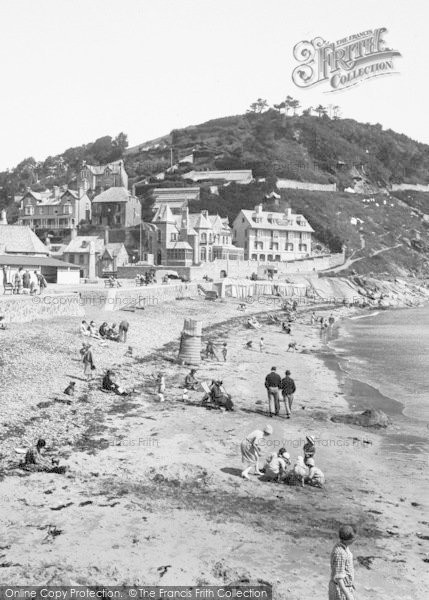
224,351
261,344
161,387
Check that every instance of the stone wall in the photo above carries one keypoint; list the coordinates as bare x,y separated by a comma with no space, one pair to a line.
21,309
304,185
416,187
244,268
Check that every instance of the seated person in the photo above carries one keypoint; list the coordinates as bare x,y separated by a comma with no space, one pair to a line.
249,345
113,333
109,385
286,327
93,330
309,448
300,471
315,476
69,391
276,465
36,461
84,328
2,324
104,328
219,397
191,382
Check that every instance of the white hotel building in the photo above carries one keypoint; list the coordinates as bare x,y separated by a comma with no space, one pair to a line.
272,236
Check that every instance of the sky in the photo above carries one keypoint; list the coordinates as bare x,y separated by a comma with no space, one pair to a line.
76,70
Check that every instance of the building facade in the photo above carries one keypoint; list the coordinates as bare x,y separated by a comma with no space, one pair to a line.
108,256
57,210
272,236
116,208
189,239
101,177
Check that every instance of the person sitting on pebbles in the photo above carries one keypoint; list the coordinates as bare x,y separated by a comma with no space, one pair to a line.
109,384
251,451
276,466
315,476
36,461
113,333
191,382
300,471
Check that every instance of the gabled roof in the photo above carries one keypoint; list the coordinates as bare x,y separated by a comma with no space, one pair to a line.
113,249
20,239
113,194
80,244
115,167
199,221
163,215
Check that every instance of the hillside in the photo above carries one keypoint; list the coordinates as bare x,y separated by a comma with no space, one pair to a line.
382,232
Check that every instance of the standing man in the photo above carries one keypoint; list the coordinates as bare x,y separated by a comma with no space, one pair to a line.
341,585
273,383
288,389
123,330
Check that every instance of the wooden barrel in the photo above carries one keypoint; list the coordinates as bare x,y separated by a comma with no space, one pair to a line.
192,327
190,350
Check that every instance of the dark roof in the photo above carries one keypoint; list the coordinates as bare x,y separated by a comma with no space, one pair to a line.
36,261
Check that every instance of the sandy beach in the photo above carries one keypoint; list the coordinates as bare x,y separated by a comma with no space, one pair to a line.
141,472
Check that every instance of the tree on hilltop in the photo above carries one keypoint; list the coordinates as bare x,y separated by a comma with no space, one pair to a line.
259,106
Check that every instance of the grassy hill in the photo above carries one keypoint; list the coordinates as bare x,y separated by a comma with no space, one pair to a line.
391,234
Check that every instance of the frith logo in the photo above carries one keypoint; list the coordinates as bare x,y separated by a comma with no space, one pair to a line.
344,63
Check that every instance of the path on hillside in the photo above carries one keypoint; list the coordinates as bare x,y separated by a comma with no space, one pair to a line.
350,261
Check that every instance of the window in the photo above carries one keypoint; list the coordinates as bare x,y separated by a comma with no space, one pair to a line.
67,209
203,255
254,257
274,246
277,257
159,237
71,258
204,238
270,257
262,257
289,247
81,259
173,237
303,247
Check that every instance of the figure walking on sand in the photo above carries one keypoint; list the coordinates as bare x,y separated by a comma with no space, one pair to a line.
341,584
288,389
210,351
273,383
251,451
224,351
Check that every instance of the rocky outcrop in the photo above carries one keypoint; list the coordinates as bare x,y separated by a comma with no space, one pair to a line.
369,418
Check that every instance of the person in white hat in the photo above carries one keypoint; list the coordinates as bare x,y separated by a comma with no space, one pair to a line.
309,448
251,451
315,475
276,465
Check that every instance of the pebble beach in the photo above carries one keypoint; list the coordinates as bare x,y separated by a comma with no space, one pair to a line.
140,471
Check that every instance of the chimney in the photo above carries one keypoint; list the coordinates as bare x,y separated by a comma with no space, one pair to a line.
48,242
106,235
73,233
3,218
56,191
205,213
289,212
258,209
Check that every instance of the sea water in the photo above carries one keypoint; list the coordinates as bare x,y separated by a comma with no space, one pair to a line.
389,351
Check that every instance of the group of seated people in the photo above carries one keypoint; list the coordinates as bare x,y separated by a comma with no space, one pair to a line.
146,279
104,332
114,282
215,397
304,470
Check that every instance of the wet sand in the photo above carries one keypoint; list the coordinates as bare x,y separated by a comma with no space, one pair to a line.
153,493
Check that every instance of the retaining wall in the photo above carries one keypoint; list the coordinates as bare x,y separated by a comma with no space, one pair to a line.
304,185
416,187
21,309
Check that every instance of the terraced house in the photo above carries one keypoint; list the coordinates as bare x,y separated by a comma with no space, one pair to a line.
56,211
272,236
